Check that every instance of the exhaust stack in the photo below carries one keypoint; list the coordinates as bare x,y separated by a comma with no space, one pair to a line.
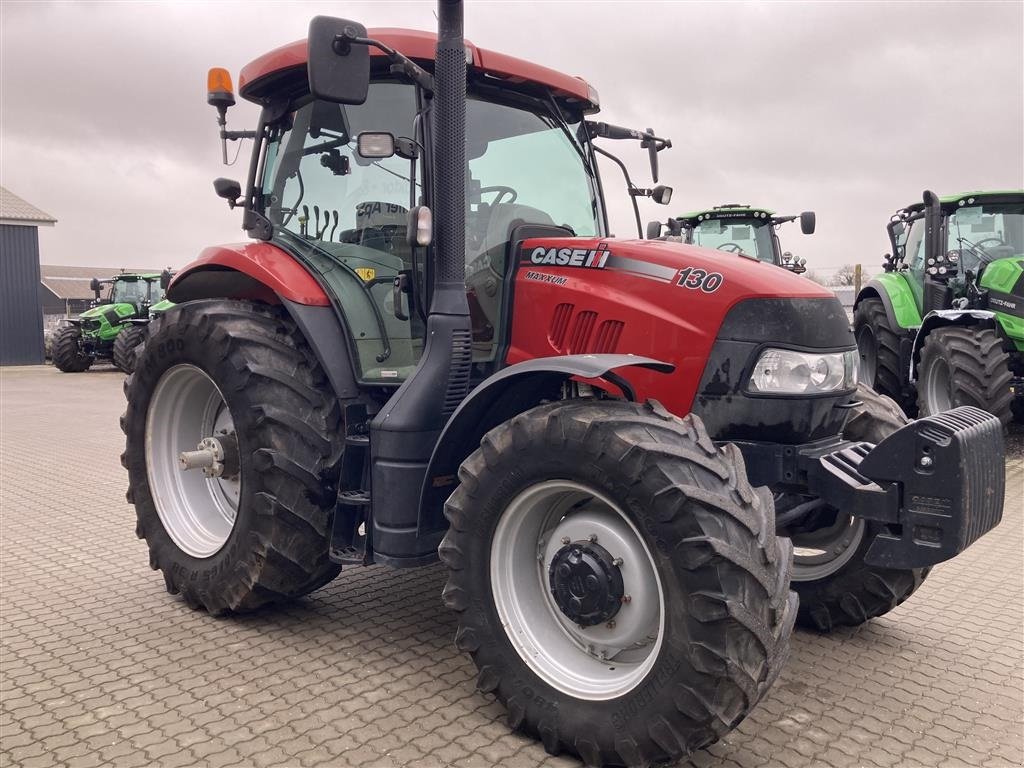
403,434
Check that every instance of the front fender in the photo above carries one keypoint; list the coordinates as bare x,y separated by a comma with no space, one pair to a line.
897,298
507,393
260,271
942,317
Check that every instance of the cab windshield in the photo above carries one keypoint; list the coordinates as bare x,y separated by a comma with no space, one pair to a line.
980,234
746,236
129,292
346,216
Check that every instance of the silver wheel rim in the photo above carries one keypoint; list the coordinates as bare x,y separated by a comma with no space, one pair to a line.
868,355
597,662
197,511
937,385
821,553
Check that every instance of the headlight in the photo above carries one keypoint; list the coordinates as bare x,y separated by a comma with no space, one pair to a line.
787,372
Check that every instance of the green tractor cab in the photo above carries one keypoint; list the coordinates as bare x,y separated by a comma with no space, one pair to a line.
741,229
121,302
943,325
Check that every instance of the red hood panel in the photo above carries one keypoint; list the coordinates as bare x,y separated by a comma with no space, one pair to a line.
643,297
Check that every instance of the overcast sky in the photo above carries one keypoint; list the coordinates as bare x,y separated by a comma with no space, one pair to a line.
849,109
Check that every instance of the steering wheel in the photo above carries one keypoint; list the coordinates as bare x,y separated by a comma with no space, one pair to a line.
502,192
996,240
731,247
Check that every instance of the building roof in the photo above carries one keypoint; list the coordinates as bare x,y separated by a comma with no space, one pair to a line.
73,282
14,210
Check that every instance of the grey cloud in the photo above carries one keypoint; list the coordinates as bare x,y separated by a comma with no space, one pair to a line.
847,108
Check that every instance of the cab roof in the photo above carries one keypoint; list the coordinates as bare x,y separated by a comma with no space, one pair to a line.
953,201
257,78
727,211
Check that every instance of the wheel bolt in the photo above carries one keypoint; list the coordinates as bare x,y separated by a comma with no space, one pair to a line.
611,624
592,538
627,598
617,562
926,461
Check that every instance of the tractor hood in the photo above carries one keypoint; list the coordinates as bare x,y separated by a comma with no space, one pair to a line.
112,312
666,300
706,270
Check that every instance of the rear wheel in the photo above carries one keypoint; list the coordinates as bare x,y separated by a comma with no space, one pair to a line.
233,444
878,345
618,582
68,354
125,345
965,366
836,587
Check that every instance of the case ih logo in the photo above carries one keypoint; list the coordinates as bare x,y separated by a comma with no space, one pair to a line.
570,257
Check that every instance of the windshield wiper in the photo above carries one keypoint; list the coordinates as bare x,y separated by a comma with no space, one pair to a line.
559,120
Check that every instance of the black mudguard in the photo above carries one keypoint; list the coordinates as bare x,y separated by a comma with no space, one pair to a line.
498,398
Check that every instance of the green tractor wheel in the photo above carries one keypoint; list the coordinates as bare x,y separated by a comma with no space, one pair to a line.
878,345
67,350
965,366
126,344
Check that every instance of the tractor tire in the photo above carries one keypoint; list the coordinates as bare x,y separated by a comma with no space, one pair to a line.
125,345
965,366
681,514
244,367
853,591
67,350
878,344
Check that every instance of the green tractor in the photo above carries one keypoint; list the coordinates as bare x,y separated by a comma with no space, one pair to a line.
121,309
943,326
740,229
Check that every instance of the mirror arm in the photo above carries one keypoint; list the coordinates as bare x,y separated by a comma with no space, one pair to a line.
630,187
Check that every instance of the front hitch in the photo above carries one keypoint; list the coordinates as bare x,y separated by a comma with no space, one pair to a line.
937,484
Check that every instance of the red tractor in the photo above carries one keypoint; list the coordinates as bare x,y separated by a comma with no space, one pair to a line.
432,348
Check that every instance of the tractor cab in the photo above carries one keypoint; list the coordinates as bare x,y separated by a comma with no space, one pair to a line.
137,290
345,188
743,230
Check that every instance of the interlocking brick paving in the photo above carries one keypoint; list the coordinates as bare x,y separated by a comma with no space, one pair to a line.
101,666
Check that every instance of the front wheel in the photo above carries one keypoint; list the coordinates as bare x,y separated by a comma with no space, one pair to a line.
618,582
68,355
233,444
878,346
836,587
965,366
126,345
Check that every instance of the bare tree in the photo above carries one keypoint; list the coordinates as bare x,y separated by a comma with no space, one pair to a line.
845,275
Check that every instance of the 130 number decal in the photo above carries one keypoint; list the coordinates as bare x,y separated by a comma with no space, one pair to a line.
709,282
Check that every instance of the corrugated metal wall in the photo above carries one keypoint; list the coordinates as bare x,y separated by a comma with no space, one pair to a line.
21,316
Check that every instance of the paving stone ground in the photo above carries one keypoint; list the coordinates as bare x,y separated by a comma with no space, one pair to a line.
101,666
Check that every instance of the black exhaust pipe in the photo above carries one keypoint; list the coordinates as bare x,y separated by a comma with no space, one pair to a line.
403,434
449,129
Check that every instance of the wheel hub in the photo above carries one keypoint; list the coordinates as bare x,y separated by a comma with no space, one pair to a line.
586,583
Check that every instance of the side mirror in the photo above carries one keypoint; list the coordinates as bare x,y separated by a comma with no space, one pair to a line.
807,222
94,285
165,279
375,146
229,189
653,230
661,194
338,60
